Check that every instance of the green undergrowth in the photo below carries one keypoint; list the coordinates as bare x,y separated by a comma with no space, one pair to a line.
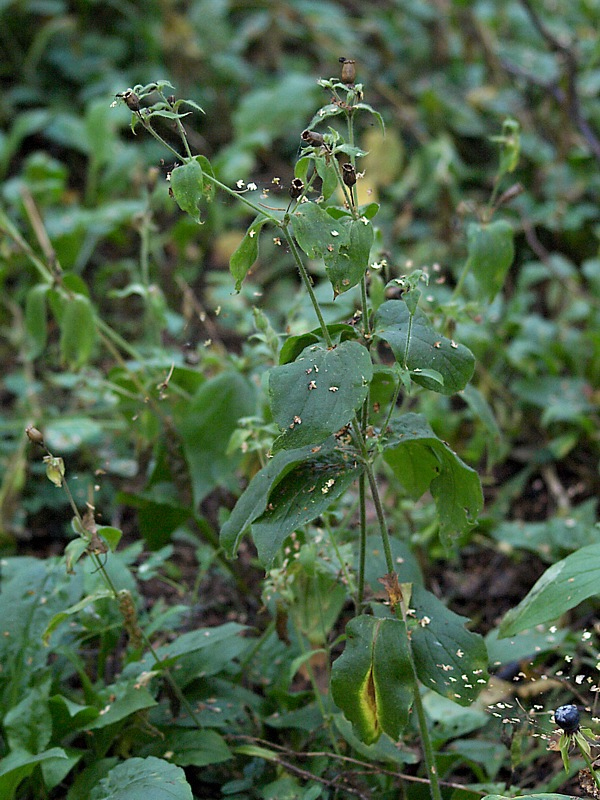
292,353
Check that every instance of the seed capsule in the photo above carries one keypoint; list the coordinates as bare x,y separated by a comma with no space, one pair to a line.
567,718
34,435
348,70
348,174
132,101
296,188
312,137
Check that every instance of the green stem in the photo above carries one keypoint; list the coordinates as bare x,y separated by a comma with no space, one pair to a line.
7,227
459,284
307,283
428,754
393,402
383,528
363,540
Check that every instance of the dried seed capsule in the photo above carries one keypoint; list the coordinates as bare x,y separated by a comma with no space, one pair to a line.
312,137
567,718
132,101
296,188
348,70
34,435
348,174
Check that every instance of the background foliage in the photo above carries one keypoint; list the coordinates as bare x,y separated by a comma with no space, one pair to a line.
161,417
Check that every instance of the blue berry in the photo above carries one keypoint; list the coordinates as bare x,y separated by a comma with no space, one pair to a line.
567,718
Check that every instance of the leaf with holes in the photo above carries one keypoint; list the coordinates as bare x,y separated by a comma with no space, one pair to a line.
343,243
253,502
319,393
449,659
301,496
417,346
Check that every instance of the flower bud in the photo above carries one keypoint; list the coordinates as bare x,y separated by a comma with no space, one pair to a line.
34,435
296,188
348,70
348,174
312,138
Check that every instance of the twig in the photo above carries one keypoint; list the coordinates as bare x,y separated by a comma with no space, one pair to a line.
365,766
571,97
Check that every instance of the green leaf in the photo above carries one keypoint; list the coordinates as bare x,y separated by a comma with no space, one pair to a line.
18,765
329,177
32,592
319,393
491,253
371,682
418,346
28,725
203,652
77,331
449,659
67,433
555,537
302,495
187,184
112,536
197,748
246,253
348,265
343,243
205,426
371,110
88,600
208,187
122,700
253,501
421,461
36,321
294,345
141,779
560,588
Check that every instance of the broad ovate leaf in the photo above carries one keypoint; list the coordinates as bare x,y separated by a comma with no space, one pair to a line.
434,361
421,461
343,243
372,681
142,779
253,501
187,184
449,659
295,487
319,393
301,496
